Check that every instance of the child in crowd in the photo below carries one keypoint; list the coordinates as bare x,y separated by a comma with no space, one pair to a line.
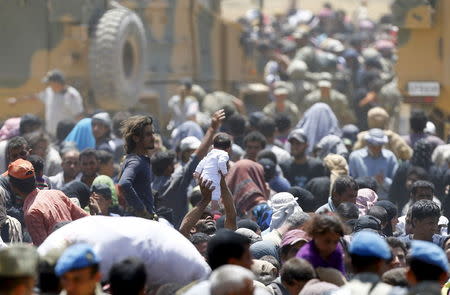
324,250
215,165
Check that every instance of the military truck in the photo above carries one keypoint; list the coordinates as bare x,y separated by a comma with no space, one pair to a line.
423,66
120,54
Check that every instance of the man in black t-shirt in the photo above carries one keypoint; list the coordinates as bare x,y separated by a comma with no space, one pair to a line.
301,168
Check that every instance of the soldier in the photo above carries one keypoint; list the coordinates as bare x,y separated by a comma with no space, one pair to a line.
282,105
336,100
18,269
79,271
61,101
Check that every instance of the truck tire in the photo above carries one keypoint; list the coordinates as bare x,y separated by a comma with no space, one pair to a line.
117,59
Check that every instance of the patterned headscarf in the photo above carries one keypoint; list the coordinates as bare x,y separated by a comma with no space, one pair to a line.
283,205
422,154
365,200
10,128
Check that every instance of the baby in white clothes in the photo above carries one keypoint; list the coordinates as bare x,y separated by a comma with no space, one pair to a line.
214,165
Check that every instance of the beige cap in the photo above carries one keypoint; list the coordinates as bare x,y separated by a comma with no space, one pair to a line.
281,91
18,260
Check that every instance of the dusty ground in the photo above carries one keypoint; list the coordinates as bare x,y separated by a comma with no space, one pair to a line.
232,9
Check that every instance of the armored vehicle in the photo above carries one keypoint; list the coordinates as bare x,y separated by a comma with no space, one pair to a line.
423,64
119,54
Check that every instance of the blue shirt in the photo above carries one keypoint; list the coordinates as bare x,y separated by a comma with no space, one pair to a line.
362,164
135,182
436,239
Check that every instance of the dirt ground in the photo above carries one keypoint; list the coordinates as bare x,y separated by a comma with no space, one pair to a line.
232,9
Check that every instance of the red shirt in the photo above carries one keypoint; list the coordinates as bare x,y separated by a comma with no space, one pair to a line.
44,208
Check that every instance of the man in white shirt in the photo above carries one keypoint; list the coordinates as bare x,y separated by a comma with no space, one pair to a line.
183,107
71,169
61,101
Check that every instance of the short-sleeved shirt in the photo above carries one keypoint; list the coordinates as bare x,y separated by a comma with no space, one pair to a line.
300,174
181,112
310,253
60,106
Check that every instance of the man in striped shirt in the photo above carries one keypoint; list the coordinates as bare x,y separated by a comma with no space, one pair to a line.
42,209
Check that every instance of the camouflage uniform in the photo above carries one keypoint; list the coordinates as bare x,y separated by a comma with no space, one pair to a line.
337,102
290,110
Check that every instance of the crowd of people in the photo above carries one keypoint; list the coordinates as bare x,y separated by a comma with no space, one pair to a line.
313,194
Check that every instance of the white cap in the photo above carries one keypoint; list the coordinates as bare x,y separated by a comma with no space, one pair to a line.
189,143
281,91
324,84
430,128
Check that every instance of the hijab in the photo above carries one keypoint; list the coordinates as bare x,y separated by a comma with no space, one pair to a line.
247,184
318,122
81,135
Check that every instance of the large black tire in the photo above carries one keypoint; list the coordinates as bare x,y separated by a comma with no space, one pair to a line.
117,59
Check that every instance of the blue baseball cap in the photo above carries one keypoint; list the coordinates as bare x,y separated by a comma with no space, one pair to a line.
370,244
76,257
429,253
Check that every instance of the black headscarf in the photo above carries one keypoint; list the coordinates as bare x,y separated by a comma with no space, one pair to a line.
422,154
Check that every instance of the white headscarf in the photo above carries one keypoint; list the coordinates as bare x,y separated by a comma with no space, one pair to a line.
283,205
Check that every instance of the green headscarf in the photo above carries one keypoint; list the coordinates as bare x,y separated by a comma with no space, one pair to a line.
104,179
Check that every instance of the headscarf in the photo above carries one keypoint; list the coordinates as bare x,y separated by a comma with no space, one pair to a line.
263,214
318,122
337,165
105,118
79,190
283,205
247,185
106,180
422,154
10,128
82,135
377,117
365,200
332,144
